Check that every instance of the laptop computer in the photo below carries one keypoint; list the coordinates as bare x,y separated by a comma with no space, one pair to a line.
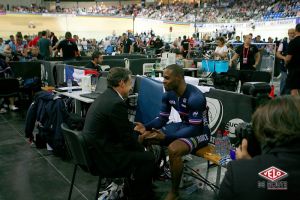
100,88
65,89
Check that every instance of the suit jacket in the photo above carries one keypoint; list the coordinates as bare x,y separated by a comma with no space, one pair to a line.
109,132
242,179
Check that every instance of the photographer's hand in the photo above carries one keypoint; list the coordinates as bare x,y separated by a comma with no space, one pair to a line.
241,152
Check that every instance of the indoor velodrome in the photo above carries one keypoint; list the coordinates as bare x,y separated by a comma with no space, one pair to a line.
149,99
100,27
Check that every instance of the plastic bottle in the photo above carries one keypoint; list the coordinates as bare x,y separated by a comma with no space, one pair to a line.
153,71
69,84
218,143
227,144
46,79
222,144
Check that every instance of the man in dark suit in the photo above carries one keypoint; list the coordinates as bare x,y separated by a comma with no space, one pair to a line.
109,132
275,173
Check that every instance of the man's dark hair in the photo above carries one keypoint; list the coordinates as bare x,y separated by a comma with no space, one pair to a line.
176,70
297,28
19,34
44,33
96,54
68,35
277,122
116,75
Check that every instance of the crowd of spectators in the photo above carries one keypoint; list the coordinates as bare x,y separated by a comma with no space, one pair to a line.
25,47
213,12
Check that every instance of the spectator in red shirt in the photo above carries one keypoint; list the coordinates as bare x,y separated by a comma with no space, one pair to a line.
33,43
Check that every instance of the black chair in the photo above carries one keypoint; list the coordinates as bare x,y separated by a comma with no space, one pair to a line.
254,76
114,62
261,76
26,70
9,87
80,155
136,65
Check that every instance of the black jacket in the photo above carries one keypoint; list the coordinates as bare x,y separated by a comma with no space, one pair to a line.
108,130
242,179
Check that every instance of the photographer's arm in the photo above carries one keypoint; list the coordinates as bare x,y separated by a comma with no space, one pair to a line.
241,152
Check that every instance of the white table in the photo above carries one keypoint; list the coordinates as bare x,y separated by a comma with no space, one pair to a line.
78,99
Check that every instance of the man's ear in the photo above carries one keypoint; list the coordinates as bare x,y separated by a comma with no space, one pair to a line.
178,78
122,83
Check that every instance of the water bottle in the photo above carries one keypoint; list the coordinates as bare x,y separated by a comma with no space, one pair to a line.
46,79
218,143
153,71
227,144
69,84
222,144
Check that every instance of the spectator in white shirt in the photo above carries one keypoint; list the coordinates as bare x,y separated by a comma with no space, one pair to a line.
84,44
221,49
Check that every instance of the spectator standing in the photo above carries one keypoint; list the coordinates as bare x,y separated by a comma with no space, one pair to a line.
185,47
248,55
221,50
127,44
68,47
292,60
281,53
44,45
53,39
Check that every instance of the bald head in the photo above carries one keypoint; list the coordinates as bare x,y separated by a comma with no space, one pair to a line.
291,33
247,39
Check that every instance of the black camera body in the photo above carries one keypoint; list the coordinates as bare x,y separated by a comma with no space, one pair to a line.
244,130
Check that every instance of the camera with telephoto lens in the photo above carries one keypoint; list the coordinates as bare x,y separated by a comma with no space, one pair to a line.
245,130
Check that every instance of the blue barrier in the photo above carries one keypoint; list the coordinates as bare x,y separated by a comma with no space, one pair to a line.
215,66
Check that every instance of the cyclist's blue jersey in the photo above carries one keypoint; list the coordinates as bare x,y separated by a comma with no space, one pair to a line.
192,109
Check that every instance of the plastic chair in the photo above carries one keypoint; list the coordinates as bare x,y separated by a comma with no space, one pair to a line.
80,155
